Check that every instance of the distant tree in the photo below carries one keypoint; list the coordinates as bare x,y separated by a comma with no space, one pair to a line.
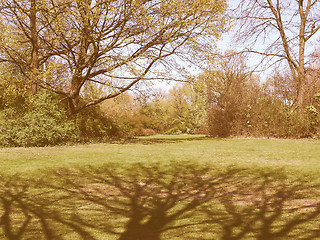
154,113
186,106
280,30
123,111
226,92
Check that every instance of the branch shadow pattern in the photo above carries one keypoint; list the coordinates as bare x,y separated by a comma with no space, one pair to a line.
157,140
156,201
267,206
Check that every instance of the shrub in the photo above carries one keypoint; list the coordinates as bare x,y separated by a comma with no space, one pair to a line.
271,118
219,122
93,124
148,132
41,122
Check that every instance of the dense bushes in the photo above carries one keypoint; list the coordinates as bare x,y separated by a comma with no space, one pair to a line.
261,113
93,124
241,108
240,104
38,122
275,119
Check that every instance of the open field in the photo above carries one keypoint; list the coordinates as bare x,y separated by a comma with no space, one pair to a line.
162,187
302,156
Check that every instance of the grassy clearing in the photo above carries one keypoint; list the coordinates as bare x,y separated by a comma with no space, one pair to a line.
162,187
299,156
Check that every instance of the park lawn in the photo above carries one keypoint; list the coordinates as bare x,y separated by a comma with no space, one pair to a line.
103,185
299,157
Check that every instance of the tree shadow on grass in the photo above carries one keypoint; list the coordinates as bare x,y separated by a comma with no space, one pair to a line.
155,140
156,201
266,206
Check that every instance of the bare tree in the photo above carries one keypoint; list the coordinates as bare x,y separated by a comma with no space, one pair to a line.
280,30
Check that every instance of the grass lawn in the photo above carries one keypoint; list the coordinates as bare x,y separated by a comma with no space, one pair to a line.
300,156
162,187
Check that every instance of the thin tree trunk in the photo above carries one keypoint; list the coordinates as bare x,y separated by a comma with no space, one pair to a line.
35,48
302,43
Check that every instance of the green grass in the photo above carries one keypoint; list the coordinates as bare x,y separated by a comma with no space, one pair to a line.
165,175
300,156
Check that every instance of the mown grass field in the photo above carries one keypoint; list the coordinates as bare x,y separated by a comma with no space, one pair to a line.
302,156
162,187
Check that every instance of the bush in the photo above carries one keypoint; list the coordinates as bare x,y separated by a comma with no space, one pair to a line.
41,122
219,123
147,132
93,124
271,118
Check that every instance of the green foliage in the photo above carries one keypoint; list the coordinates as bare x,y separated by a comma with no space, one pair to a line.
13,87
187,108
40,122
181,110
154,115
268,116
93,124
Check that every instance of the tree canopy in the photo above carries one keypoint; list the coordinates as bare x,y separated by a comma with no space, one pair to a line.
113,44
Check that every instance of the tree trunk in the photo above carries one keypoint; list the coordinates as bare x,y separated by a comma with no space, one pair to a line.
35,48
301,88
302,43
73,105
77,79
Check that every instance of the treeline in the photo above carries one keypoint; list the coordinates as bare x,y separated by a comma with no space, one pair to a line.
66,69
241,104
228,100
41,119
